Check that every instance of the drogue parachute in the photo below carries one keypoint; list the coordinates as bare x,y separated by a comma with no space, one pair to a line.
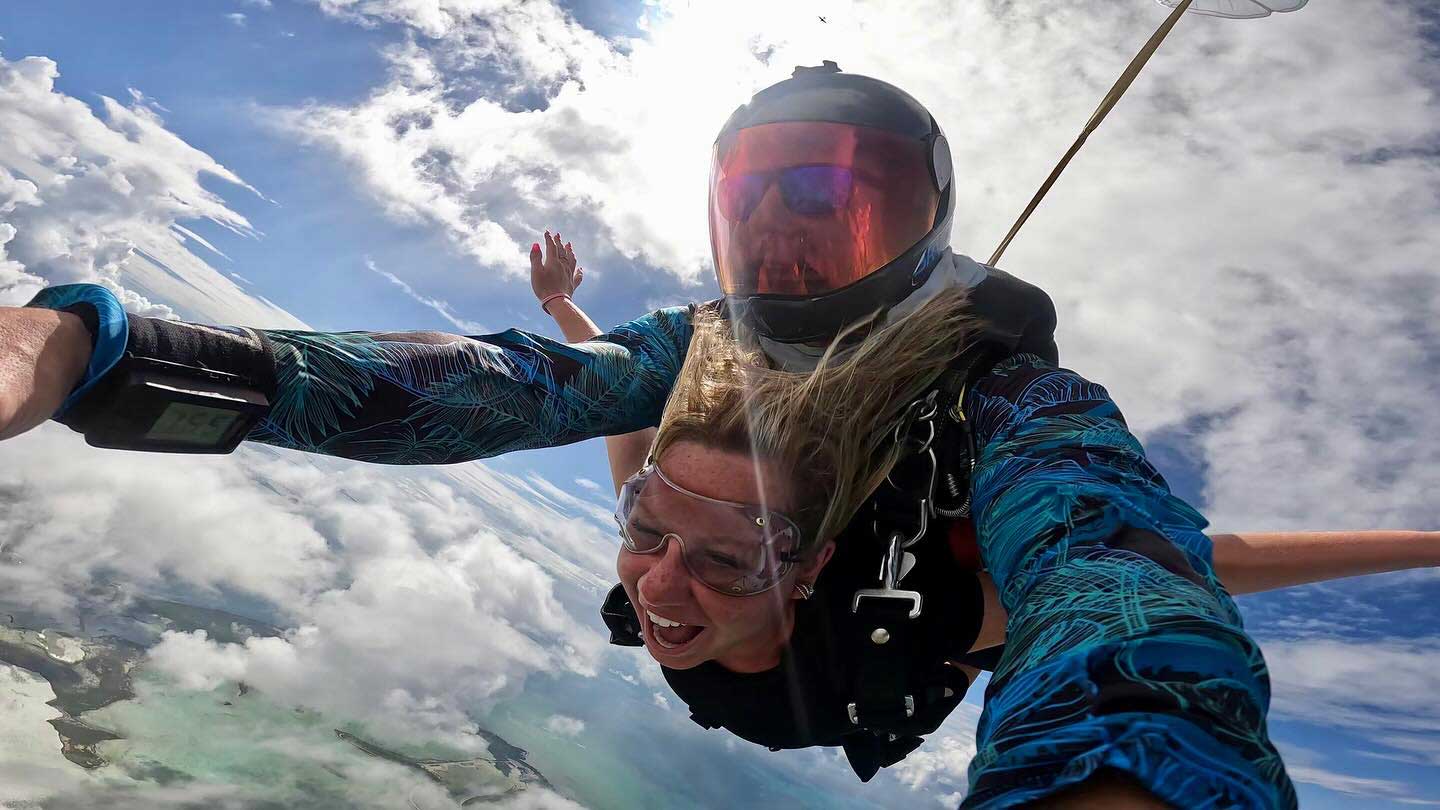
1239,9
1232,9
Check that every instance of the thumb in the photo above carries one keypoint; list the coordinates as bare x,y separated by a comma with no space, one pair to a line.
535,264
579,275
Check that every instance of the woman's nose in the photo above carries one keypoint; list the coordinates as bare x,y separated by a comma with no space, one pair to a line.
668,581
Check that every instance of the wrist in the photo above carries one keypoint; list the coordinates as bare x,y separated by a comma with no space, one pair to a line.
552,300
74,342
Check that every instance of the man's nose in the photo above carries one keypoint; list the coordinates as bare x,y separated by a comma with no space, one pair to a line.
771,208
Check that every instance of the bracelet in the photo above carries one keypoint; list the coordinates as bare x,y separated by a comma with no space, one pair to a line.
110,324
545,302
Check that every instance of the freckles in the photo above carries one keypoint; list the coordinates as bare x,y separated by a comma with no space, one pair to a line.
631,567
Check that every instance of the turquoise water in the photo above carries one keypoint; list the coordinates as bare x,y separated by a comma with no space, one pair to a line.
619,764
252,748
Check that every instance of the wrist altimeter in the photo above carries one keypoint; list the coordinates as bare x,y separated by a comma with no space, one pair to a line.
164,407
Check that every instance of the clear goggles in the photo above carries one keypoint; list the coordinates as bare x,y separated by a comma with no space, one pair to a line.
804,208
737,549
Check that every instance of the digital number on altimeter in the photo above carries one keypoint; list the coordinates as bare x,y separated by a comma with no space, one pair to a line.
191,424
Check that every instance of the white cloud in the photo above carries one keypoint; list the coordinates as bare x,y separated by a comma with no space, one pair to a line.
565,726
661,701
260,4
943,761
408,603
466,327
116,515
237,19
1349,785
1374,688
1307,766
586,483
96,198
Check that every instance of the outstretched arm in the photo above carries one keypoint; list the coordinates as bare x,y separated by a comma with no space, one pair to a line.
1262,561
554,279
404,397
1123,650
1253,562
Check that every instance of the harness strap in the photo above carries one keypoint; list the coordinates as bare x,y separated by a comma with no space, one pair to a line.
883,698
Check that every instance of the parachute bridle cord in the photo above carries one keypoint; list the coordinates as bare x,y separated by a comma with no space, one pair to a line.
1111,99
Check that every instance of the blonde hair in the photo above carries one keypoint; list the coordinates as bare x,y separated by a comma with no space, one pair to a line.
833,425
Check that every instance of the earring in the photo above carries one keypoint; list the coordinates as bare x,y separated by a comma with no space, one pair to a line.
805,590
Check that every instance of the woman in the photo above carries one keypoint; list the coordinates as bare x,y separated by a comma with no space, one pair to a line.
729,620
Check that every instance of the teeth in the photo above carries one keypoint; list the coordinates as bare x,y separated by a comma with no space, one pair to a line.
662,621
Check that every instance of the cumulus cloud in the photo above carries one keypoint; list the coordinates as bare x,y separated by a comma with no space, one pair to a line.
409,600
942,762
436,615
116,516
565,726
144,176
97,196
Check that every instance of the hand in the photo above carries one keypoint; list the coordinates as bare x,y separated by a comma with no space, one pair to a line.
43,354
557,273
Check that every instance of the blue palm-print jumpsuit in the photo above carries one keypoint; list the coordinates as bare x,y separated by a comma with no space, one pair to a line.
1121,654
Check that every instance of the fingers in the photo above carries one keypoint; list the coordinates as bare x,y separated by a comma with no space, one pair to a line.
550,248
579,275
535,264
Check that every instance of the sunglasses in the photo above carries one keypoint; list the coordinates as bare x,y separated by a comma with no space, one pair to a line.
751,555
806,190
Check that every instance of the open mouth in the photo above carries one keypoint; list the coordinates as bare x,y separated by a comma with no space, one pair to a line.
671,635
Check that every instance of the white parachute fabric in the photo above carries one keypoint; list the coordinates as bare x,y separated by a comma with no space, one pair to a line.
1239,9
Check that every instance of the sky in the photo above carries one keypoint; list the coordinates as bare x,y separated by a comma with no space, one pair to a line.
1244,254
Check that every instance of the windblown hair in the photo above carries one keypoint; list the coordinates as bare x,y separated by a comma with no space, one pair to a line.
832,426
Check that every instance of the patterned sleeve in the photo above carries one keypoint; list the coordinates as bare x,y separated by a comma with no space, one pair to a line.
433,398
1123,650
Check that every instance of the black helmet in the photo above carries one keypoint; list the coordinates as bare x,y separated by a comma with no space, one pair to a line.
830,199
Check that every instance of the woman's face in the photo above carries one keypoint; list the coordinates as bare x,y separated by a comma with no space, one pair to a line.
741,633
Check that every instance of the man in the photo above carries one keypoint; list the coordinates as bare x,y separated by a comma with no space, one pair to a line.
831,202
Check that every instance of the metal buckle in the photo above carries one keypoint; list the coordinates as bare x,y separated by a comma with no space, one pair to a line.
854,712
889,578
913,597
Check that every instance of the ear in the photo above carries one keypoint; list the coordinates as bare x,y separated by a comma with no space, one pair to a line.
810,570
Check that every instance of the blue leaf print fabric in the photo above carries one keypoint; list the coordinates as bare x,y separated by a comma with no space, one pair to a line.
432,398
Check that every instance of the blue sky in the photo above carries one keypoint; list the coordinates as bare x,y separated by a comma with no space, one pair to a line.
1258,298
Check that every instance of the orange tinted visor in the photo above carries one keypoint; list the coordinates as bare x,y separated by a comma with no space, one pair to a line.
805,208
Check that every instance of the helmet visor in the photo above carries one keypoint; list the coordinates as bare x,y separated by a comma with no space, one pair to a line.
805,208
734,548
